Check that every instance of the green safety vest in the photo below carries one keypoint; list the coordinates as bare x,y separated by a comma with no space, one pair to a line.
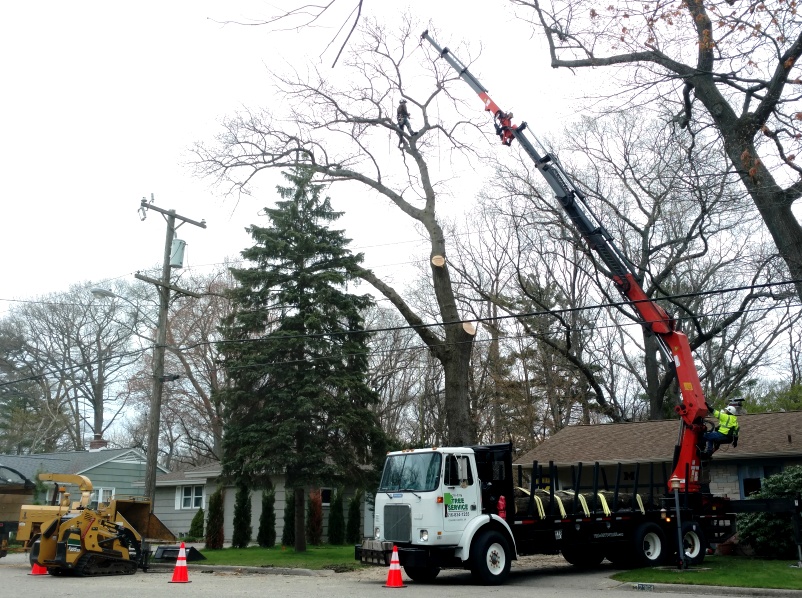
727,424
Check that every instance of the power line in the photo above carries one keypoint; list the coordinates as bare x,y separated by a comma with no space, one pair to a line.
443,344
439,324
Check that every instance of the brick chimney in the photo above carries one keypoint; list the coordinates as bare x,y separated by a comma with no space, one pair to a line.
97,443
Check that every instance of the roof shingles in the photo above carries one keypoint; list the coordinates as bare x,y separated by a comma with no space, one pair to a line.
762,435
71,462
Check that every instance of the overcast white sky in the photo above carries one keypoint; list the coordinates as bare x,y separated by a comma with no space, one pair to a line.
101,99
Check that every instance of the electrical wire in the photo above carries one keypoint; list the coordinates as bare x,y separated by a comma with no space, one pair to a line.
532,314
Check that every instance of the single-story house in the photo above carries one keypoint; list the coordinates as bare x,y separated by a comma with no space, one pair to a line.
180,494
768,442
113,472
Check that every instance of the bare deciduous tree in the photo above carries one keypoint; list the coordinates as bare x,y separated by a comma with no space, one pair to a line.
76,351
30,419
194,334
687,232
727,66
192,419
397,374
341,132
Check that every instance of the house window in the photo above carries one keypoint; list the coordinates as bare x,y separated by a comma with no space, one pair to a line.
325,496
189,497
101,496
752,477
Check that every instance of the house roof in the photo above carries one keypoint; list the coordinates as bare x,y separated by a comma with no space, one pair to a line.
762,435
196,475
72,462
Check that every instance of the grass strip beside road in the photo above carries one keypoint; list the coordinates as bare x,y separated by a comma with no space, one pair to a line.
338,558
730,571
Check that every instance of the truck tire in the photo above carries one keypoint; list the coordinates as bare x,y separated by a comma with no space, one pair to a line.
490,558
650,545
584,557
422,574
694,543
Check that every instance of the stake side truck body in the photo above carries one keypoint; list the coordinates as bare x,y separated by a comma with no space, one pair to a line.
459,507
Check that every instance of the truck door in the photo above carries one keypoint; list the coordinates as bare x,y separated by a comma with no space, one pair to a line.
460,494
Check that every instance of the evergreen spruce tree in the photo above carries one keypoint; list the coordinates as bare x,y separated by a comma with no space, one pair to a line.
296,353
266,537
353,528
242,517
288,533
214,520
336,519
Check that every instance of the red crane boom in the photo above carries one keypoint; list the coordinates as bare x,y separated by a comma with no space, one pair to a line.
673,343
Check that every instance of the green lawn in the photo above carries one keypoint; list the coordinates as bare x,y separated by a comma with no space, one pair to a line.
316,557
724,571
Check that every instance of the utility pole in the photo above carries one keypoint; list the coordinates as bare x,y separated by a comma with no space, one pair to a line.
163,287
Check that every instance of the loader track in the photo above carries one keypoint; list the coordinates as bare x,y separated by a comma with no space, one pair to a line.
93,565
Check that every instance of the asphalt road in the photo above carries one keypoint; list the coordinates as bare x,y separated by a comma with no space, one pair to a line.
534,579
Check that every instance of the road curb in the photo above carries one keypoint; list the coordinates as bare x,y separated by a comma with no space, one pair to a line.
717,590
265,570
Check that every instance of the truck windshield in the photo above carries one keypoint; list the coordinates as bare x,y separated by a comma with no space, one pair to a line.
418,472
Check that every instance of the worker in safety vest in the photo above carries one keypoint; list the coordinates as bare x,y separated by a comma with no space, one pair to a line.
726,431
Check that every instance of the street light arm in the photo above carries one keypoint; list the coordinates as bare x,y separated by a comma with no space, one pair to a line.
107,294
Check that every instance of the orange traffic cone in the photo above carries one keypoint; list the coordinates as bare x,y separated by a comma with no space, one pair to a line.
394,574
180,571
38,569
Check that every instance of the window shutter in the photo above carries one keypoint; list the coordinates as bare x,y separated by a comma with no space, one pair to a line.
178,496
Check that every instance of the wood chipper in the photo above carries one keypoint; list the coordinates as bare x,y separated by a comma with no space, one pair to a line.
109,539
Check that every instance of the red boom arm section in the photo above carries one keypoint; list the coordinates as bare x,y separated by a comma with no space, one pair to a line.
673,343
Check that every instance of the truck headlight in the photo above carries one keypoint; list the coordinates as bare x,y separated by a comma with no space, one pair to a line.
377,533
424,535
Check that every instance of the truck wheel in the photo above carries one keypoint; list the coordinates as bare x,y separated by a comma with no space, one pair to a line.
650,545
490,558
694,543
422,574
585,557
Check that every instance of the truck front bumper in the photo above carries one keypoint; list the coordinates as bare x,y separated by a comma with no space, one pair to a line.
374,552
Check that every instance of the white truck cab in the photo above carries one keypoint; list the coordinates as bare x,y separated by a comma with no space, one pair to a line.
434,507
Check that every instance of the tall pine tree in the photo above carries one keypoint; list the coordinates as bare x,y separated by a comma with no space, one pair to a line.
296,354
